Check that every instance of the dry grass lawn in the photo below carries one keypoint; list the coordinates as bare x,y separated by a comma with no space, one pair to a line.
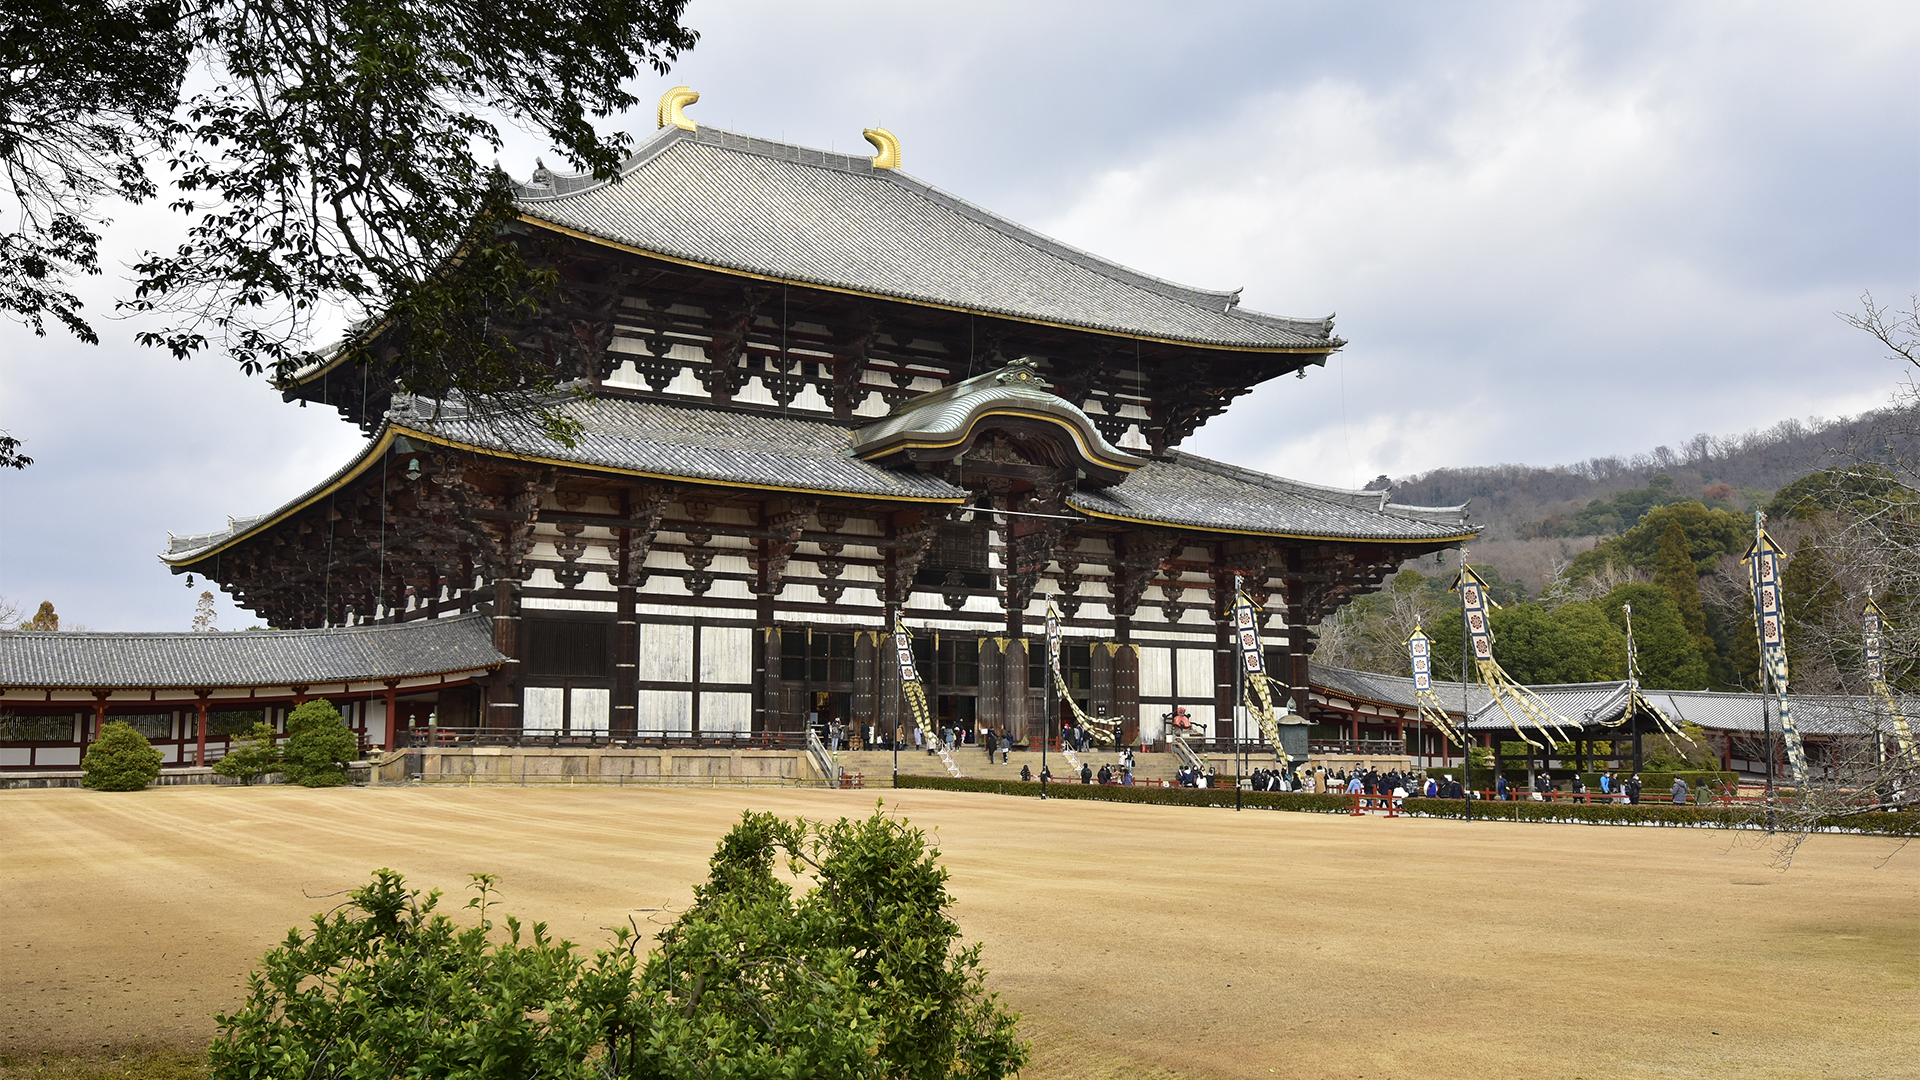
1137,941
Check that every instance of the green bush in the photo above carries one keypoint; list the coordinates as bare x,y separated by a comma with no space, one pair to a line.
860,976
1742,815
253,755
318,746
120,760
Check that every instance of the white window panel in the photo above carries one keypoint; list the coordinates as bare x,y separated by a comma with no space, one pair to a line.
541,708
591,708
1156,672
726,655
1196,675
725,712
665,712
666,653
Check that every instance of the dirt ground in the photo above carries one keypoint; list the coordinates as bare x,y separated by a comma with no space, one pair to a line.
1136,941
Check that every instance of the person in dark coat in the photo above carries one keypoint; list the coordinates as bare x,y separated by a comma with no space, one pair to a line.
990,739
1106,774
1086,773
1026,773
1633,790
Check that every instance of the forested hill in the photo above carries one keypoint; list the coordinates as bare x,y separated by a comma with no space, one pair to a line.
1739,472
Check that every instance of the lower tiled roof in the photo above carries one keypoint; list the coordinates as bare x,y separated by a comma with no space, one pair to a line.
1199,493
252,658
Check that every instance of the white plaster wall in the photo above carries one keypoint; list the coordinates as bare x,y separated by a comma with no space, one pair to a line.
665,711
666,653
591,708
1156,673
723,711
541,708
1195,668
726,656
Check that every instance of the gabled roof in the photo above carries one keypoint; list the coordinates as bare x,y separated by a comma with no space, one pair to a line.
252,658
947,419
789,213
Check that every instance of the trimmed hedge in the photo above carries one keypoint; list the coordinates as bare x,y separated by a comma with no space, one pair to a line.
1904,823
1167,796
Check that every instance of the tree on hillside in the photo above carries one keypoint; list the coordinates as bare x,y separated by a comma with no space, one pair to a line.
1571,643
1669,656
1816,624
1677,574
328,162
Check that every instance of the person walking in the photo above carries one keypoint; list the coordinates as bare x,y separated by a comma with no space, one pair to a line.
992,737
1500,788
1086,773
1633,790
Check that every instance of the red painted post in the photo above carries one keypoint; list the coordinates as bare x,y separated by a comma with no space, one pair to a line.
200,743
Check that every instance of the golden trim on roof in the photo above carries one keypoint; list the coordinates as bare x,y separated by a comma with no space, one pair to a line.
889,146
672,106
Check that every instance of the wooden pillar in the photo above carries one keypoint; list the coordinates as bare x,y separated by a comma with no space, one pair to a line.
624,723
99,722
200,727
1636,746
393,715
503,691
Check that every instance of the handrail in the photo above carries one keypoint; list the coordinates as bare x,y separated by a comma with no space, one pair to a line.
822,757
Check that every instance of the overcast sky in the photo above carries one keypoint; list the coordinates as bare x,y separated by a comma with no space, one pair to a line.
1550,231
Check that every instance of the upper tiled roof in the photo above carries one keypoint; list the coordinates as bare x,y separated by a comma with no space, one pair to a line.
253,658
771,209
1199,493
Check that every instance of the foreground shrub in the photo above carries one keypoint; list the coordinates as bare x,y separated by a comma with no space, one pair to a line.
860,976
252,756
319,746
120,760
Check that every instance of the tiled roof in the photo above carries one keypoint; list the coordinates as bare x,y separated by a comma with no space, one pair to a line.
1198,493
771,209
251,658
1606,702
656,438
662,439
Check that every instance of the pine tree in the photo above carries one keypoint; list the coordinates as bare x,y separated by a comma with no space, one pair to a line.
44,619
1809,598
1679,576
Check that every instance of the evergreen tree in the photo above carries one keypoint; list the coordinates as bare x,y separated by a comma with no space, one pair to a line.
1678,574
44,619
1669,657
1811,600
120,760
318,746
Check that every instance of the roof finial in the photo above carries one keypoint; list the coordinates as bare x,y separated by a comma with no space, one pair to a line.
671,104
889,147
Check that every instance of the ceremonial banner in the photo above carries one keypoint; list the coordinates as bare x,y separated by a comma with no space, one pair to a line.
1763,564
1101,730
1871,621
1510,696
1420,651
1253,663
910,685
1636,701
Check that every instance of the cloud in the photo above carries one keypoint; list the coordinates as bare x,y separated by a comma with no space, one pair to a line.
1551,230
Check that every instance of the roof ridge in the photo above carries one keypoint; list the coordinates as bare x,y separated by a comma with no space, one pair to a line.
1223,301
228,635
